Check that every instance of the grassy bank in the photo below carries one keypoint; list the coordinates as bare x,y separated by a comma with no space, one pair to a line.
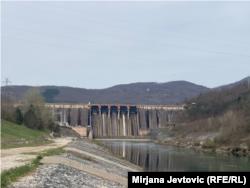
97,142
13,136
13,174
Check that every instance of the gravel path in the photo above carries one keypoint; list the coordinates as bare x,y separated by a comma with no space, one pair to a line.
62,177
15,161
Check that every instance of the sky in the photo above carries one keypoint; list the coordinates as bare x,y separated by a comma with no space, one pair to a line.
97,45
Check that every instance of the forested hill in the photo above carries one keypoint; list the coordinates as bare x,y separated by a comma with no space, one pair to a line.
217,102
150,93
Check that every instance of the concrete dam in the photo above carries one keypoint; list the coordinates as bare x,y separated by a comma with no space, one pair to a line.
111,121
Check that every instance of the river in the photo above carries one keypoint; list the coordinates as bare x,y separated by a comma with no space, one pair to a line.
155,157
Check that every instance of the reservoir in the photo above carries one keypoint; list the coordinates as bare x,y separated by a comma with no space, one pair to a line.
155,157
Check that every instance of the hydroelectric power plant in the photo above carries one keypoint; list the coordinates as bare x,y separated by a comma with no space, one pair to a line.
112,121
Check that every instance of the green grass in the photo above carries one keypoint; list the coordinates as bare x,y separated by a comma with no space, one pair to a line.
97,142
120,157
13,136
11,175
82,156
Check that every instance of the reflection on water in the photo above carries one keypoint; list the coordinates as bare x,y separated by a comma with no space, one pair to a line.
155,157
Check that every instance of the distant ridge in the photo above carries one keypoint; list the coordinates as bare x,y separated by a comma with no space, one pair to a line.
232,84
144,93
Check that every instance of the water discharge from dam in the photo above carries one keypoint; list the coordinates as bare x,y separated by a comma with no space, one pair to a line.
155,157
114,124
104,124
94,120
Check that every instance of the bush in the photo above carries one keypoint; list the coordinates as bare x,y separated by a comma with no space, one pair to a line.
208,144
182,140
10,117
51,125
56,128
31,120
165,141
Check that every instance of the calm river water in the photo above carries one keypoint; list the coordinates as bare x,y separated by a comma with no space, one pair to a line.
155,157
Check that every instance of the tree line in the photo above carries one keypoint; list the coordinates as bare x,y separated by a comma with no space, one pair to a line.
32,112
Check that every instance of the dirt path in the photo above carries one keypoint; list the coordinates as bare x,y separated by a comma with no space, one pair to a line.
15,151
13,157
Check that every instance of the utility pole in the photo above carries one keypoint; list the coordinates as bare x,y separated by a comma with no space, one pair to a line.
6,82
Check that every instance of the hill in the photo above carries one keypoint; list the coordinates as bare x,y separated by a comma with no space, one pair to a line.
233,84
13,135
222,114
149,93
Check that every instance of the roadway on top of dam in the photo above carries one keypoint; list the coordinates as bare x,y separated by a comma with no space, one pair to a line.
68,105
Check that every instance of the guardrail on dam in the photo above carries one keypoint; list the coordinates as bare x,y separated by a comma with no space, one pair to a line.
116,120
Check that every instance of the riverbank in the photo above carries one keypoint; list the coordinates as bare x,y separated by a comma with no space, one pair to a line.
199,141
82,163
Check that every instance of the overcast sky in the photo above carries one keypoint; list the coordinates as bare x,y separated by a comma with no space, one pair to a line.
101,44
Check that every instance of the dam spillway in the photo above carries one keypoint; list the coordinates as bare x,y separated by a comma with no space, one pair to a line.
107,120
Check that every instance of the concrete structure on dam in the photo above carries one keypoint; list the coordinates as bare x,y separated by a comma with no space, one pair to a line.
115,120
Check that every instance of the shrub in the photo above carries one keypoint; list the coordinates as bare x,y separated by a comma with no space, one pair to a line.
31,120
208,144
181,140
57,128
165,141
51,125
10,118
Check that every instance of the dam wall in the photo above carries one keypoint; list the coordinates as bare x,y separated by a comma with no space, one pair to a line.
115,120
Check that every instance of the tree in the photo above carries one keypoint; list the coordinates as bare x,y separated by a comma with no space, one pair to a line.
18,116
34,97
30,119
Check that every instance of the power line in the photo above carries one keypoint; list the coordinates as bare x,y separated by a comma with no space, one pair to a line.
119,55
118,45
127,38
123,27
140,23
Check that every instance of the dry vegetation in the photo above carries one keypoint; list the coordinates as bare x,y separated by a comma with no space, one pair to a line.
32,112
225,111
